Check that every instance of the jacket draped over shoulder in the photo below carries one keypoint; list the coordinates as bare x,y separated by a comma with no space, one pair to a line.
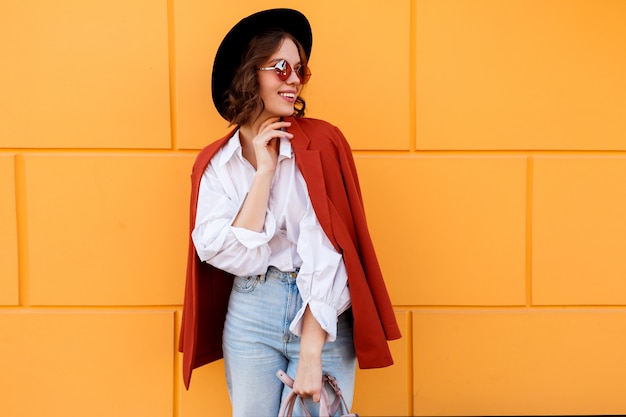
326,163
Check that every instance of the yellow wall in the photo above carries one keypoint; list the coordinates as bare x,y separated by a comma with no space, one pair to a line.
490,139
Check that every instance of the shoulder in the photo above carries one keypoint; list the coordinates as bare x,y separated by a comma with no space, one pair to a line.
309,124
207,153
322,132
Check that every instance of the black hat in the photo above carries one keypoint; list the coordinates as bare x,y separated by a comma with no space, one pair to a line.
228,57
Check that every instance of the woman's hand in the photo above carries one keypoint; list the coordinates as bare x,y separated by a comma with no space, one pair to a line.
265,144
308,382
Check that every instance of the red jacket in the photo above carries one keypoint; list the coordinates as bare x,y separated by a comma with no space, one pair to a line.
325,160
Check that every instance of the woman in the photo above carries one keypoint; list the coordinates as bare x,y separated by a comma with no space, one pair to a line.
282,272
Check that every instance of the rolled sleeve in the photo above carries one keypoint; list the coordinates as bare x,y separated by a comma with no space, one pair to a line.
322,280
235,250
251,239
324,313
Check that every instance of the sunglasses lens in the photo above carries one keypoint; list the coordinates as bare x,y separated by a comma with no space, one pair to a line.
303,73
283,69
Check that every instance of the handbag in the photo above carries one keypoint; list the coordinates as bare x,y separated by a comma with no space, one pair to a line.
327,409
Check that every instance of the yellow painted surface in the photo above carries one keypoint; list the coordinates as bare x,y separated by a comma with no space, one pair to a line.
489,138
391,398
100,224
512,362
208,396
579,241
456,223
521,74
84,74
86,363
8,233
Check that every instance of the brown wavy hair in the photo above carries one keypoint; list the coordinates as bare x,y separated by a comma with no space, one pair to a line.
242,100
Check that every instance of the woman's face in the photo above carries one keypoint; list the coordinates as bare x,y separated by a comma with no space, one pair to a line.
279,96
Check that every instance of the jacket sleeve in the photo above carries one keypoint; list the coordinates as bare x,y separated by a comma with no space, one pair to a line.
363,241
206,293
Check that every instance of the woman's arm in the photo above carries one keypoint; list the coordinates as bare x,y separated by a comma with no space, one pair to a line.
252,213
264,159
308,381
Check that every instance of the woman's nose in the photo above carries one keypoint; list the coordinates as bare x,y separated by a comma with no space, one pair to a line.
293,78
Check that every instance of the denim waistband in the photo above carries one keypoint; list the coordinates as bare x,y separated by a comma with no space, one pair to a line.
275,273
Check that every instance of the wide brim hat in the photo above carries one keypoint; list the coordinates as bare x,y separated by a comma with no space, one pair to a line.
229,54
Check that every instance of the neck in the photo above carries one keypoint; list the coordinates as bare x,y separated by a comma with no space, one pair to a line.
247,133
249,130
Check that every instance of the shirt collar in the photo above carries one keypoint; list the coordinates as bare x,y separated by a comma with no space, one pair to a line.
231,147
285,150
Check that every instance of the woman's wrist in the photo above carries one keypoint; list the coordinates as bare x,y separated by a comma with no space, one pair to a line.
311,355
264,174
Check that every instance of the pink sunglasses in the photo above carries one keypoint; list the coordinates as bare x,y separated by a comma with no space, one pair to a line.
283,71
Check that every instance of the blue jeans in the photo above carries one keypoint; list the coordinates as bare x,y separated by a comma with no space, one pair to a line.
257,343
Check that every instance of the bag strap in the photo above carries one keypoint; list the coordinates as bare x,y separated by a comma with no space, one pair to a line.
286,408
339,404
326,408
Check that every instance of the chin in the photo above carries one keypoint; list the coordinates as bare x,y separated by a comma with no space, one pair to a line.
280,111
284,113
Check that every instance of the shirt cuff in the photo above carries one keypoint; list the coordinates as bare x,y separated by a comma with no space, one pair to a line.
251,239
325,315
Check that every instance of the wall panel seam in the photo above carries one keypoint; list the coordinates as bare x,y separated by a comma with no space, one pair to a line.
410,365
529,230
110,151
487,153
520,308
21,208
178,383
92,307
172,73
413,77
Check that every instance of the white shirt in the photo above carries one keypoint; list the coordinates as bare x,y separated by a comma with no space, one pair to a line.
291,238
